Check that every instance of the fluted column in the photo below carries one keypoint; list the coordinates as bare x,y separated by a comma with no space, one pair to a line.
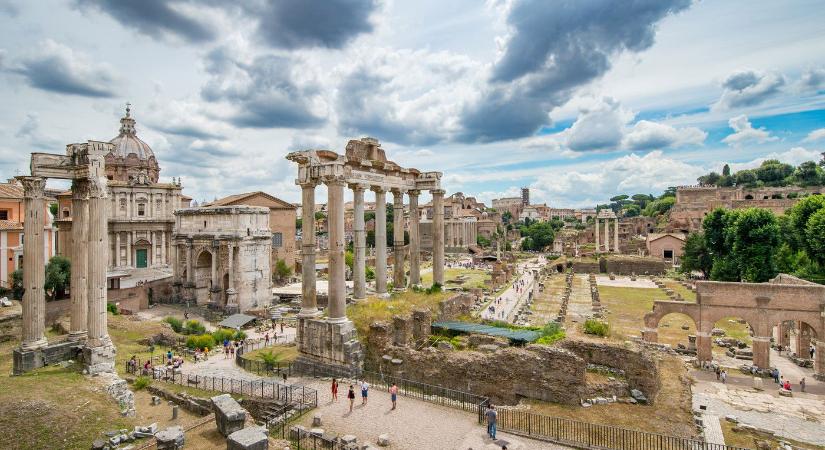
607,235
117,245
309,306
335,221
34,264
360,261
128,248
380,239
163,247
616,235
80,260
190,266
598,248
98,247
415,240
231,264
214,274
398,240
438,236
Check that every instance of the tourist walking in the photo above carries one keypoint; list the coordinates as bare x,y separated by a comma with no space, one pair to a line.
394,394
724,376
812,350
266,339
802,384
351,397
775,373
365,387
334,390
718,372
492,417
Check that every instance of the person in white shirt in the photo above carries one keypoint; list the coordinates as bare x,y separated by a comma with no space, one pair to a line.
365,387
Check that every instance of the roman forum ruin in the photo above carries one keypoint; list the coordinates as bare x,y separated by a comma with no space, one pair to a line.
364,166
85,166
605,216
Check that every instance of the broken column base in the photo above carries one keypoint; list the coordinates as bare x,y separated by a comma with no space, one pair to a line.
28,360
99,359
332,345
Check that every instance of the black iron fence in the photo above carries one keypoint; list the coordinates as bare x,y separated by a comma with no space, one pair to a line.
594,436
302,396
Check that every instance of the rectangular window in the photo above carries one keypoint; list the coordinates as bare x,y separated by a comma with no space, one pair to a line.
4,214
141,209
277,240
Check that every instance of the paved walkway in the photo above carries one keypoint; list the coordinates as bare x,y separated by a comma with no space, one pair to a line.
713,429
413,425
580,306
512,297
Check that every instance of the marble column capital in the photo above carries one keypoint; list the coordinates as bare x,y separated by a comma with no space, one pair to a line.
439,192
398,191
97,188
358,187
414,192
311,184
379,189
335,180
33,187
80,189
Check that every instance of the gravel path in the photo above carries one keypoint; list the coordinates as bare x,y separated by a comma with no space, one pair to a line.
413,425
510,299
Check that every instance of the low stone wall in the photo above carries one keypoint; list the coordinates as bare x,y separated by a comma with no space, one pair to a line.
505,375
640,367
586,266
196,405
455,306
638,266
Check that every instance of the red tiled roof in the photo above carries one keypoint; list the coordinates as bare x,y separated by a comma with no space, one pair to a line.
11,190
233,199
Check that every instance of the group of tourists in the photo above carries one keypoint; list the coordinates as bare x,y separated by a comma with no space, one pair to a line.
364,387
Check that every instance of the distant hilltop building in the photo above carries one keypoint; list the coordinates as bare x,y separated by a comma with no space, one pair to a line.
694,202
525,196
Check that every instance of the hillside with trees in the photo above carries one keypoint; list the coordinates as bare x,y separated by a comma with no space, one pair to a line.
771,172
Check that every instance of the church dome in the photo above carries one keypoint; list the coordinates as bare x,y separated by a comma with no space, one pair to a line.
131,160
127,142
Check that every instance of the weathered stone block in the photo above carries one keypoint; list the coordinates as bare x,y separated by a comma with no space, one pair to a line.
252,438
229,414
384,440
171,438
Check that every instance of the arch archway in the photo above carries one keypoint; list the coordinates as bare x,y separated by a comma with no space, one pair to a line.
203,276
676,328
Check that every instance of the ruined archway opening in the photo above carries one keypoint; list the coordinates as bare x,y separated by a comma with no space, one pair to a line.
203,276
732,339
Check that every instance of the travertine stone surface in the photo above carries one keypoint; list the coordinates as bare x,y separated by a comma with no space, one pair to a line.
34,275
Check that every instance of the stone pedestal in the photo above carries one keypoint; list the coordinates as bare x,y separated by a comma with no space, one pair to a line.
99,359
232,306
703,347
650,335
761,352
229,414
331,343
252,438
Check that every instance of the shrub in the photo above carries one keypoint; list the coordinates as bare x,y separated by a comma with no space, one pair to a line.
551,333
239,335
220,334
141,382
270,358
194,327
112,308
597,327
370,273
434,289
175,323
201,341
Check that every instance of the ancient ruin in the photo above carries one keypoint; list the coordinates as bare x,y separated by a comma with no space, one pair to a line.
364,166
85,166
605,216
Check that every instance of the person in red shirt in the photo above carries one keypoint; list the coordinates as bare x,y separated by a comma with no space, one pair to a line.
393,394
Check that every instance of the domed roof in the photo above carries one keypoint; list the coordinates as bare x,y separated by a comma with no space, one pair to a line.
127,142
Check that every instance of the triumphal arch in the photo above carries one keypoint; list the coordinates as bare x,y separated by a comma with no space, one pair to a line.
771,309
364,166
83,164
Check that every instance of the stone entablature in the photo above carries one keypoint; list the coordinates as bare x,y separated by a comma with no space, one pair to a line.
221,256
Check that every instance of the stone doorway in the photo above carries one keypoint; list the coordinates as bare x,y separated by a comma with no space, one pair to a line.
203,276
141,258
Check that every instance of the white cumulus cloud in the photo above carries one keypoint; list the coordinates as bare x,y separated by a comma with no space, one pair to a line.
745,133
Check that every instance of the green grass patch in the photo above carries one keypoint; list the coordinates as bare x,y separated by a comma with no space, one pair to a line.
596,327
283,353
469,278
374,309
141,383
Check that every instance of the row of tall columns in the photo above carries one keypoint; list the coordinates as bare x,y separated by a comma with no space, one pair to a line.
597,234
98,249
80,258
337,287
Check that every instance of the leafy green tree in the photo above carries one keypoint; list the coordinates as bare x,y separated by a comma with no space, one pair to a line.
17,284
482,241
631,210
53,208
696,256
726,170
745,178
58,276
619,198
282,271
538,236
808,174
756,238
718,228
799,215
815,236
709,180
659,207
299,223
774,173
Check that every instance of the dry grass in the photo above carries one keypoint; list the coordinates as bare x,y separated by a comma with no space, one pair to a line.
475,278
670,414
286,353
126,331
374,309
746,439
627,307
546,306
686,293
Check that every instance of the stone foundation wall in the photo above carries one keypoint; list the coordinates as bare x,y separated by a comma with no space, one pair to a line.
329,343
506,375
640,368
586,267
635,266
455,306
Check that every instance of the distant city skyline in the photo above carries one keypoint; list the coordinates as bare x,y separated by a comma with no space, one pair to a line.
578,101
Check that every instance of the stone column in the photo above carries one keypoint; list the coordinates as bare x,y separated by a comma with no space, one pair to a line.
380,239
163,247
34,264
607,235
117,247
359,277
309,306
99,353
80,260
335,222
597,235
398,240
804,337
214,273
415,240
129,248
153,260
616,236
438,236
819,360
231,292
190,266
783,338
761,352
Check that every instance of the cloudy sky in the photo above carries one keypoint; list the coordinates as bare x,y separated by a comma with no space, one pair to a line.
579,100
